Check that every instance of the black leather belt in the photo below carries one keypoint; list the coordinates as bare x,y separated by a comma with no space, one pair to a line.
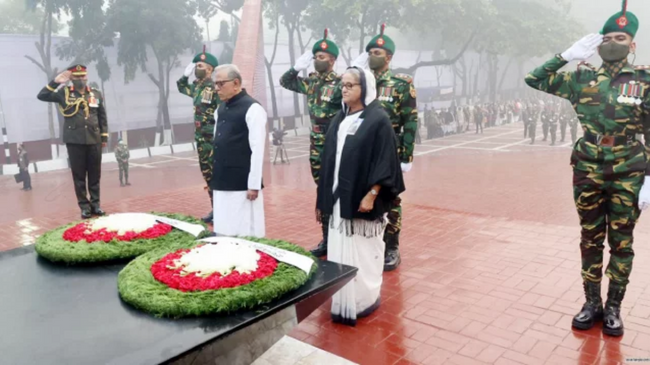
609,141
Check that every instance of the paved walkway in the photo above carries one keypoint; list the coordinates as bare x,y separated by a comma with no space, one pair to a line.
490,270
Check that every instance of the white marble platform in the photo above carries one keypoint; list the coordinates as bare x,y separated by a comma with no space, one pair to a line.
289,351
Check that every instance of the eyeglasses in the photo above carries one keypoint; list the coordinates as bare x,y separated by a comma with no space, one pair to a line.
349,85
220,84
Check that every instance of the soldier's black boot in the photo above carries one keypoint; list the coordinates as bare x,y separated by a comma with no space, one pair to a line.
208,218
321,249
392,258
612,322
85,214
592,310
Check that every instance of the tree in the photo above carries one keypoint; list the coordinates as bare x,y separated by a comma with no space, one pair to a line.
166,30
49,10
15,18
224,32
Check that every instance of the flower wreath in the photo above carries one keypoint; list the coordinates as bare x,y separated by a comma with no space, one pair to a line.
99,240
158,283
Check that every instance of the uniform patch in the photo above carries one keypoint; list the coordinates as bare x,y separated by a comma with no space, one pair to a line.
622,21
323,45
380,41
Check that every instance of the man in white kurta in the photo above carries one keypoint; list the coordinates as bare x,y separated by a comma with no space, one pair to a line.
240,138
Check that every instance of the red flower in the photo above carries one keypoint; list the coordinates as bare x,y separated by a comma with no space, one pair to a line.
80,233
163,272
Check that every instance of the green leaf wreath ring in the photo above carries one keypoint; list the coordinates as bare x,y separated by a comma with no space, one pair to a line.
138,287
55,248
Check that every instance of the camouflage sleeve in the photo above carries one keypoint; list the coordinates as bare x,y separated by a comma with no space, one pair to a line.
547,78
646,130
184,86
337,97
409,118
291,81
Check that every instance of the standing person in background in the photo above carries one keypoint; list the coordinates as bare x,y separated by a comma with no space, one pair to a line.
85,133
323,92
122,156
23,168
398,98
205,101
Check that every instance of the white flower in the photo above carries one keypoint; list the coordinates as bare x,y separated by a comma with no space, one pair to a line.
223,257
124,222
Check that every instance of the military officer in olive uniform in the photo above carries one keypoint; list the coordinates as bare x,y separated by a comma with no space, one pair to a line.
205,101
85,132
323,90
398,97
610,166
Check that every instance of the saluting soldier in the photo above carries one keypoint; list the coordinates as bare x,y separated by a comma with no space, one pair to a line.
122,156
85,132
609,164
205,101
324,98
398,97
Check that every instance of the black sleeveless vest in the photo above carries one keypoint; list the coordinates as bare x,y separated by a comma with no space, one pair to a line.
232,152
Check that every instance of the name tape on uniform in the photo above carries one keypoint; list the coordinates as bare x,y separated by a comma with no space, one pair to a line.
302,262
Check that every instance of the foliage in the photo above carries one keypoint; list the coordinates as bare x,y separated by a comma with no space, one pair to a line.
16,18
87,33
53,247
138,287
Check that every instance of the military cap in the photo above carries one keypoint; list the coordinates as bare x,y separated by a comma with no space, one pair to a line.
623,21
381,41
325,45
206,57
78,70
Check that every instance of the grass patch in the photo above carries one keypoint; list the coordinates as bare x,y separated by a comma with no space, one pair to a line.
138,287
53,247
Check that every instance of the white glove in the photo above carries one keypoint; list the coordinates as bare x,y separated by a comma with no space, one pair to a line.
644,195
584,48
406,167
189,70
303,62
361,61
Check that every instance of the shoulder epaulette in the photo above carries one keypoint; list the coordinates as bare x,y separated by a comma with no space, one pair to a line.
646,67
404,77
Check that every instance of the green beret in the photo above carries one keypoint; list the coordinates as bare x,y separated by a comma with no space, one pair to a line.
325,45
208,58
623,21
381,41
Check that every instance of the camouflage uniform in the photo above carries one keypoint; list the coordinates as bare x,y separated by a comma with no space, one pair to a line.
324,101
398,97
573,126
205,101
122,156
547,114
553,125
606,180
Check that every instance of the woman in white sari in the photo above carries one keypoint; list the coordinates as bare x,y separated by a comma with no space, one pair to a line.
360,178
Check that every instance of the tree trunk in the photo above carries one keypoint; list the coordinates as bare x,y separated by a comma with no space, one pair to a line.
478,72
362,33
292,58
503,74
269,75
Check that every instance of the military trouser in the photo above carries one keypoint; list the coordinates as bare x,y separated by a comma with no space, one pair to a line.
574,133
86,165
526,126
532,130
545,127
553,132
124,171
563,130
204,149
316,143
607,206
394,225
479,125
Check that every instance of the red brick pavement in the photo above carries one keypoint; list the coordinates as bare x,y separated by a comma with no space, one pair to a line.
490,270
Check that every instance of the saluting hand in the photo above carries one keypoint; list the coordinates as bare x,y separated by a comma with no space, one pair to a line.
63,77
584,48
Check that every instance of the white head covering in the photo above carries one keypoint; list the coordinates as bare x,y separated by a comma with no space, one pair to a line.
368,86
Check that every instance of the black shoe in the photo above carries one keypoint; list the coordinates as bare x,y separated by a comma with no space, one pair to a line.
85,214
612,322
592,310
98,212
320,250
392,260
208,218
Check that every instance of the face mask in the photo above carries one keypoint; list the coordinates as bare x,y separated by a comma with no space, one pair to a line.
376,62
321,66
79,84
613,52
200,73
